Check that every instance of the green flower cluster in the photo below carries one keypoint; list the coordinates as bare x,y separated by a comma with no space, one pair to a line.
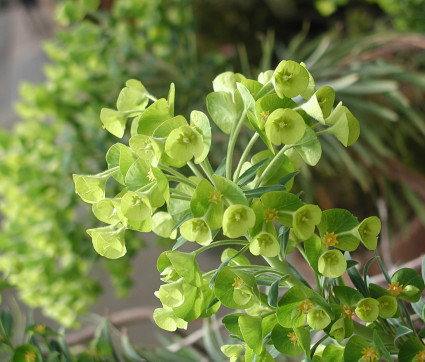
253,207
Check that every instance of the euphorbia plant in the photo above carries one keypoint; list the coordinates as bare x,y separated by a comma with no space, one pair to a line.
247,207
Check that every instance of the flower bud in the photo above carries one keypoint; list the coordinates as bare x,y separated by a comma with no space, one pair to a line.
237,219
317,318
387,306
305,220
332,264
367,309
264,244
285,126
411,290
196,230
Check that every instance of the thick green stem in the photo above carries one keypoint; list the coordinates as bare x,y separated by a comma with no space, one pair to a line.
245,155
171,170
182,180
195,171
283,267
272,165
206,167
232,142
180,197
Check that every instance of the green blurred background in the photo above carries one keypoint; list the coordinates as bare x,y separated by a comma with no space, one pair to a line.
371,51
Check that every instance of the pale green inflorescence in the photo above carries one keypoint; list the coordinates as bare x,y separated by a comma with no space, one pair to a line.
169,186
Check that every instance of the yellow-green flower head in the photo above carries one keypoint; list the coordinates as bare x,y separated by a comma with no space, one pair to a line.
171,295
183,143
285,126
305,220
290,79
387,306
196,230
242,294
332,264
369,230
237,219
367,309
264,244
317,318
338,330
135,206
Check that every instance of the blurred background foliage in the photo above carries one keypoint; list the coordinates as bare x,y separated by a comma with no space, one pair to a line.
372,52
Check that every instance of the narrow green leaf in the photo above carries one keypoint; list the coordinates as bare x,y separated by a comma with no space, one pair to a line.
355,277
258,192
273,296
221,168
186,217
366,268
180,241
378,342
283,236
250,173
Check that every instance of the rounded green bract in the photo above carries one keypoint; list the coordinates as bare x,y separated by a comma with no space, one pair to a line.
332,264
367,309
237,219
284,126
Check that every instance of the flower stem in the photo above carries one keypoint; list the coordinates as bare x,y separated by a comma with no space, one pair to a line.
206,167
271,167
245,155
182,180
220,243
194,169
231,146
280,265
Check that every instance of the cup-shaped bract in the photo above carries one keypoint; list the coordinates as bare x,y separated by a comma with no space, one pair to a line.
237,219
135,206
332,264
317,318
305,220
369,230
242,294
183,143
114,121
285,126
91,189
264,244
146,148
367,309
290,79
196,230
344,125
133,97
163,224
387,306
338,330
233,351
108,242
171,294
166,319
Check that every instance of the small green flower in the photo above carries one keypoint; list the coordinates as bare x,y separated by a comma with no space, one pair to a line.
387,306
367,309
135,206
317,318
264,244
237,219
163,224
305,220
285,126
196,230
183,143
369,230
290,79
332,264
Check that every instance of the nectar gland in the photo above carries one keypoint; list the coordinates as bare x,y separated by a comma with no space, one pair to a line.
238,283
305,306
215,197
293,338
271,215
369,354
151,176
348,312
330,239
420,356
395,288
30,356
